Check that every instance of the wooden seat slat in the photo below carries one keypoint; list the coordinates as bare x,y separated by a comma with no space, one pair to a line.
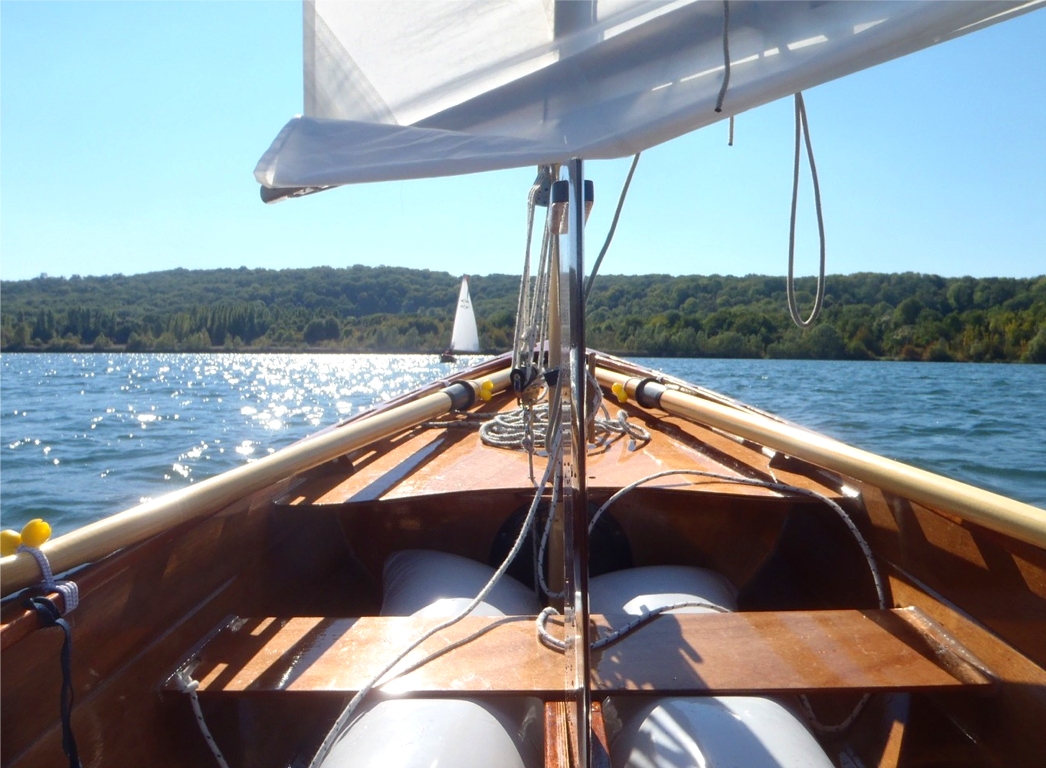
691,654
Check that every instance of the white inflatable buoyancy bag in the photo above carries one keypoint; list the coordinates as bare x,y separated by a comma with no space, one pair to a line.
444,733
695,731
421,582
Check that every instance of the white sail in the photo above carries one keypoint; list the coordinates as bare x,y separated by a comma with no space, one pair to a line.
403,89
465,336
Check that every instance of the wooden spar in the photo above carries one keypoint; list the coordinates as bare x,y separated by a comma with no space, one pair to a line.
995,512
104,537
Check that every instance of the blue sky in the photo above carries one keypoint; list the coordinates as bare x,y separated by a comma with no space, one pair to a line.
129,132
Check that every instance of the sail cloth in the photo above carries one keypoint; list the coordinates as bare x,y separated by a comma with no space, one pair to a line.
403,89
465,336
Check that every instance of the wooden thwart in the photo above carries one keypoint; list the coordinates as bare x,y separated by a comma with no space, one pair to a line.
692,654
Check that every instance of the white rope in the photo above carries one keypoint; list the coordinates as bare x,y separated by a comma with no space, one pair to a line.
510,429
187,685
793,309
339,725
519,428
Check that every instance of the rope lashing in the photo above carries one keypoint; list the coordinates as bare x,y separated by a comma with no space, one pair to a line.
50,616
69,591
34,535
801,125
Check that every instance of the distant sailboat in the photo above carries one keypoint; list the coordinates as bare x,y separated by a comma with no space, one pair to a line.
465,336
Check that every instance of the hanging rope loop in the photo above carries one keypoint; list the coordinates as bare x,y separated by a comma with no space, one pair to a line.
802,127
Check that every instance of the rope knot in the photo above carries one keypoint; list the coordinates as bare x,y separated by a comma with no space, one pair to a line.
185,682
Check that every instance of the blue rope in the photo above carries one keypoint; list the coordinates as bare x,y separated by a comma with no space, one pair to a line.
50,616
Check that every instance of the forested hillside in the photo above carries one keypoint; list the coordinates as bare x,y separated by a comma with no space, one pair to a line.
384,309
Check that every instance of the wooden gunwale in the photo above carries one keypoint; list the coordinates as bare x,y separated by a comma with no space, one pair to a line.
106,536
995,512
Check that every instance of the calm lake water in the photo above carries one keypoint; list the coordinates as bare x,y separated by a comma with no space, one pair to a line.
87,435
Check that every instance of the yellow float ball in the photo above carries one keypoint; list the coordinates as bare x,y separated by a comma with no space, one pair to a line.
35,533
9,542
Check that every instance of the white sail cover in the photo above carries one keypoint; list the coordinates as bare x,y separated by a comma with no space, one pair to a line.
399,89
465,336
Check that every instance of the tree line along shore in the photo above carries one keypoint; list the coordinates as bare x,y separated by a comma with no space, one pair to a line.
866,316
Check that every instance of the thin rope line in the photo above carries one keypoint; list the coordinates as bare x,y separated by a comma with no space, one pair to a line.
793,309
861,542
726,57
783,487
617,634
613,226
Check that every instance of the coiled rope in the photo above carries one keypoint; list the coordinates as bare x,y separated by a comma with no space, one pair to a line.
526,427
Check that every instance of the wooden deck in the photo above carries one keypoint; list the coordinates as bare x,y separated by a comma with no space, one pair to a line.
436,460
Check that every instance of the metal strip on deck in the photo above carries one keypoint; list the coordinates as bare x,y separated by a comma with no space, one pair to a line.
694,654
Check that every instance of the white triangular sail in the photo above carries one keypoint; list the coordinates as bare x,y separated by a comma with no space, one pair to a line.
402,89
465,336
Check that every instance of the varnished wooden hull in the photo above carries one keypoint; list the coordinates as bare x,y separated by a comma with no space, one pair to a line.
312,544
